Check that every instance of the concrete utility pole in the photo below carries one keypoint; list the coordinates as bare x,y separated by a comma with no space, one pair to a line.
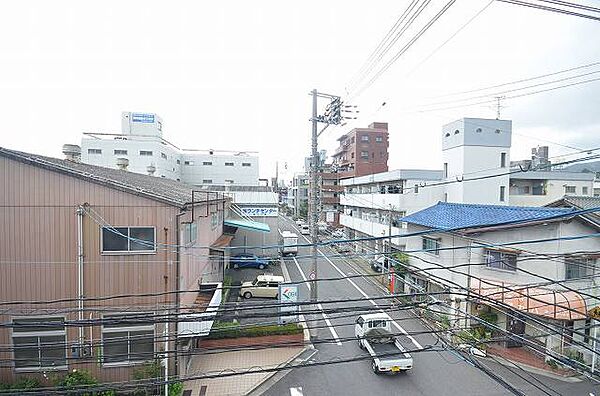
332,116
314,189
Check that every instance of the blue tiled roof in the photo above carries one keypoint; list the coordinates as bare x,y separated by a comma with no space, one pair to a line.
452,216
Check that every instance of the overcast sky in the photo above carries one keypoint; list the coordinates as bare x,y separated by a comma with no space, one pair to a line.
235,75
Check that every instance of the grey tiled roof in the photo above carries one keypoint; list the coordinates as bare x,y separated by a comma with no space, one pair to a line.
165,190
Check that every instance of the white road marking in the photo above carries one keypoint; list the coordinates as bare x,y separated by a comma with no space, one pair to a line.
297,391
411,338
327,321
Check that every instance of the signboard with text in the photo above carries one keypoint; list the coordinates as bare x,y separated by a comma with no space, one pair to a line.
288,298
142,117
260,212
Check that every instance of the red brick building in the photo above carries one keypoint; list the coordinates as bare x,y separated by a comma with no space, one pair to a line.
363,151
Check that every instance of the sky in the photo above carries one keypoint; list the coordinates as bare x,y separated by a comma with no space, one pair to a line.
236,75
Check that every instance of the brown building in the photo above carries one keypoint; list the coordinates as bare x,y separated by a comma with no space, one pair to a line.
363,151
96,258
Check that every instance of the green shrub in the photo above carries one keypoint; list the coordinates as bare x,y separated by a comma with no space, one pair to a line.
149,370
74,381
221,330
22,384
176,389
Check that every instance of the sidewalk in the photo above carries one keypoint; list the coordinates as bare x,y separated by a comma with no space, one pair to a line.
238,361
530,359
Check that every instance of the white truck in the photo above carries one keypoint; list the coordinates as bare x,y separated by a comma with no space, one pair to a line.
374,333
288,243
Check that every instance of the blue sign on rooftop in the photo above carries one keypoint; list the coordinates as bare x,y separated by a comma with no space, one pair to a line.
142,117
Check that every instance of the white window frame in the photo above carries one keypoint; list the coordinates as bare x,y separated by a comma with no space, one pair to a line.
229,164
567,188
246,164
126,252
94,151
207,163
128,329
146,153
119,152
37,333
364,138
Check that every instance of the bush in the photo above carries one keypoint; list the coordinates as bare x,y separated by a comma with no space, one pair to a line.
221,330
77,379
149,370
176,389
22,384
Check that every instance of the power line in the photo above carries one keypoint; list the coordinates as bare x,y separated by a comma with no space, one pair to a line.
552,9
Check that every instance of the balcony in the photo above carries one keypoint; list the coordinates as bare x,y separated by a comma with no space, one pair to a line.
371,228
330,200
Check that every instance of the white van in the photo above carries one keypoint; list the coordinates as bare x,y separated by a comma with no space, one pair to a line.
266,286
288,243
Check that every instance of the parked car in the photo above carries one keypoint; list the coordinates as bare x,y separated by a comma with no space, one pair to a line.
263,286
304,229
299,222
248,260
341,247
338,234
380,263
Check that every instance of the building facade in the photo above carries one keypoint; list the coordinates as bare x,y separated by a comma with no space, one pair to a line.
141,142
92,233
363,151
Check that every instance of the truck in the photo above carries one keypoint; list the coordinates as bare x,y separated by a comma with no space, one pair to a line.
374,334
288,243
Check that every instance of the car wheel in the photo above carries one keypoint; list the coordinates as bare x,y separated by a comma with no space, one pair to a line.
375,368
247,295
261,266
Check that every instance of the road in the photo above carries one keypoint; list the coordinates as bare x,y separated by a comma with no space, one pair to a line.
434,373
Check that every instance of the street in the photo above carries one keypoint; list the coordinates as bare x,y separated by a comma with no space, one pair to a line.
434,372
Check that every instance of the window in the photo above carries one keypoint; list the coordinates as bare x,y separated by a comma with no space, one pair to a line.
190,233
246,164
478,130
188,162
502,160
178,162
456,132
497,131
145,153
207,181
570,190
364,154
596,192
364,138
431,245
128,239
120,152
207,163
39,342
94,151
584,190
445,170
228,163
445,197
379,139
127,339
228,181
500,260
163,155
577,267
351,155
502,193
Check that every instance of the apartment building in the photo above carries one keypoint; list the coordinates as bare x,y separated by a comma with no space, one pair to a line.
73,234
142,144
362,151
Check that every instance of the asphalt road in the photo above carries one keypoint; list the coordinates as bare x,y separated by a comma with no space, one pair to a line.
434,372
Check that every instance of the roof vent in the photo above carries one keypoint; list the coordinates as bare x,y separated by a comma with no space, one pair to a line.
72,152
122,163
151,169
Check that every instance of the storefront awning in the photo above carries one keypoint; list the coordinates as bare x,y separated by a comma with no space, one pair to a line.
248,225
553,304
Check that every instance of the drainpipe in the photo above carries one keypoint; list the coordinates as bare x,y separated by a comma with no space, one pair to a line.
177,287
80,212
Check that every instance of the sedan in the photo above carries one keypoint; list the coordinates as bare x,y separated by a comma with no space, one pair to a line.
248,260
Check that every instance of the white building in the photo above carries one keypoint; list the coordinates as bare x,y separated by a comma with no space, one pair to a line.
141,142
472,149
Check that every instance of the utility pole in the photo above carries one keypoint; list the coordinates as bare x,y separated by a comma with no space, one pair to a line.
313,216
332,116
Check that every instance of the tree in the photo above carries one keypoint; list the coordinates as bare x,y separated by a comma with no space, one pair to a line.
303,209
